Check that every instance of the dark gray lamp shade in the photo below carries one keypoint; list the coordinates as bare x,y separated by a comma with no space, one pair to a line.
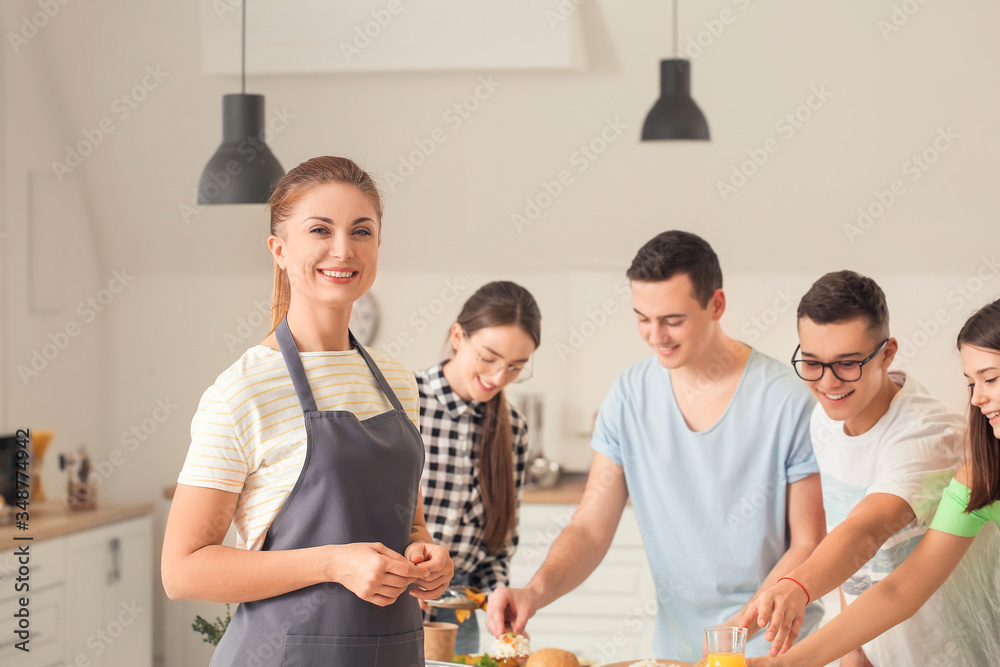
675,115
243,169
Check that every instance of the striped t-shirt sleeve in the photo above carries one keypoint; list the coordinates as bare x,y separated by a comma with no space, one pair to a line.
216,459
412,401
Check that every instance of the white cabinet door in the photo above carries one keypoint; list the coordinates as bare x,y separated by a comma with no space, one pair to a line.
43,576
129,599
109,589
610,616
48,621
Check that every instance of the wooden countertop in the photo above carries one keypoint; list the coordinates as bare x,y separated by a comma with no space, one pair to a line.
567,491
51,519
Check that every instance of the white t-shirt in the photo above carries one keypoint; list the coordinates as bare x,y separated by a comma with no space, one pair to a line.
912,452
249,436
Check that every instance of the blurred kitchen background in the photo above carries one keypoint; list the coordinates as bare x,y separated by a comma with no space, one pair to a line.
505,137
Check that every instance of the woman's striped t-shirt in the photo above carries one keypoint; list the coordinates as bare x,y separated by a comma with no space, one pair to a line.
249,437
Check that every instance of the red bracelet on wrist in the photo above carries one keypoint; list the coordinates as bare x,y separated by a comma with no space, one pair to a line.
808,597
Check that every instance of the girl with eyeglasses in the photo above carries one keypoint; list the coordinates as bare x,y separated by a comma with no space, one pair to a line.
969,504
475,442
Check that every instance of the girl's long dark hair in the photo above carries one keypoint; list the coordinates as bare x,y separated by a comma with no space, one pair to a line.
498,304
983,330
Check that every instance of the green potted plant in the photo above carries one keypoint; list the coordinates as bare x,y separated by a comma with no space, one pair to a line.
213,631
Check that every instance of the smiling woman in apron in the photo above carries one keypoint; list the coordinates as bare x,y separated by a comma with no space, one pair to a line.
308,445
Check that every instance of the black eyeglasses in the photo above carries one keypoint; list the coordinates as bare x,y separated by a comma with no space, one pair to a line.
845,371
516,373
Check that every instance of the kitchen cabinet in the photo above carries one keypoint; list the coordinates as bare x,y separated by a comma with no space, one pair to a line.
110,591
47,610
90,595
608,618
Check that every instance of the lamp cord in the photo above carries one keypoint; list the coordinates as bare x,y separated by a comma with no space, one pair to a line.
243,51
675,29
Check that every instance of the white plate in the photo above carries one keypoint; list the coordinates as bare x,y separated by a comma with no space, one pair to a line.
453,603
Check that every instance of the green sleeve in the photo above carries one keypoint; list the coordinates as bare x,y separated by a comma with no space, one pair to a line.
951,516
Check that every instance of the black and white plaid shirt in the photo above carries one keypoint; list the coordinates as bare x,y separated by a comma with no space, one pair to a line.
453,505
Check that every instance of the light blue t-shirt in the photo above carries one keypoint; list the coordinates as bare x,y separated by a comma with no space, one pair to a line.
711,505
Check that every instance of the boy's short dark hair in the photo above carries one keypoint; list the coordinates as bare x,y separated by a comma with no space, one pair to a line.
845,295
674,252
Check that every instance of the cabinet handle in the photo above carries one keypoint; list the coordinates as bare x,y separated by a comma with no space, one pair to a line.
114,555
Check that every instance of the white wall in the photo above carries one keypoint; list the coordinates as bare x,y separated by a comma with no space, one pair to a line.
197,272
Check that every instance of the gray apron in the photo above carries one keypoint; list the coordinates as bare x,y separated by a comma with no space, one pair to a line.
359,483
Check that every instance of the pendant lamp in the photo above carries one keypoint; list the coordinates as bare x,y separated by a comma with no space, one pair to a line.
243,168
675,115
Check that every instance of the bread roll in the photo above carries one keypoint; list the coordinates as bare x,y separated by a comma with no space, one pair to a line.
552,657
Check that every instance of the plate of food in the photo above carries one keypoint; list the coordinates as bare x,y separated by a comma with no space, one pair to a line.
653,662
460,597
510,650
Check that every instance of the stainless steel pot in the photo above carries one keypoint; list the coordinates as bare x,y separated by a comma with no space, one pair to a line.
542,472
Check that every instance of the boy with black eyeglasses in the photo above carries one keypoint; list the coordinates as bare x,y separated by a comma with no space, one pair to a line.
886,449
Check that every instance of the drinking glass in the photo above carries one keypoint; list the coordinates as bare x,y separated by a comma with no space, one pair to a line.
725,646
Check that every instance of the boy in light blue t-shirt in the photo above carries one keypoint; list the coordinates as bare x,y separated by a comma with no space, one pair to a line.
708,503
710,439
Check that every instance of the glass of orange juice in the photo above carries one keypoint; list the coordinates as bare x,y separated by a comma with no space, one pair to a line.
725,646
